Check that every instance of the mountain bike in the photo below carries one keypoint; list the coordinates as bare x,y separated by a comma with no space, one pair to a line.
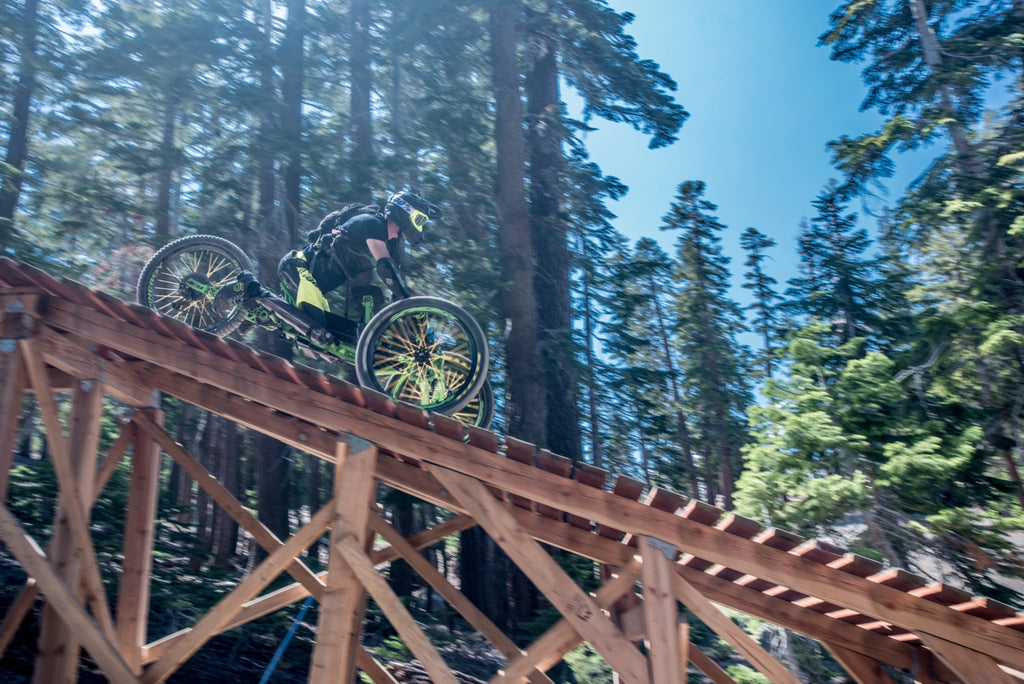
425,351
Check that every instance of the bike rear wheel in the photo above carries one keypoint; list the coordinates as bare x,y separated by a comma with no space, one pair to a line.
479,412
424,351
182,277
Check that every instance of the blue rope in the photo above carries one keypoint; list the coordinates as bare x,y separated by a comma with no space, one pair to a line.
284,642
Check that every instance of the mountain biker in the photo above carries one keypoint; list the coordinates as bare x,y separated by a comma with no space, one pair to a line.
344,251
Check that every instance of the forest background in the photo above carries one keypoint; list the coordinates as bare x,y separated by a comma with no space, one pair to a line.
873,398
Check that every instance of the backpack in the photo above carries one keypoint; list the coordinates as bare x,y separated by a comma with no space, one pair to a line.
337,218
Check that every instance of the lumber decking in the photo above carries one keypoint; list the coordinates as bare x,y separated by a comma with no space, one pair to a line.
56,334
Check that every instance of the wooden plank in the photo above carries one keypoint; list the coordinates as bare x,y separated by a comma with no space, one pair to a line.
89,634
139,534
970,666
818,551
560,638
227,607
352,551
703,513
861,668
473,615
986,608
557,465
549,578
661,614
449,427
520,452
590,476
707,613
344,598
779,539
626,488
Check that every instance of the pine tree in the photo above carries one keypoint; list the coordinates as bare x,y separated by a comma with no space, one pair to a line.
838,283
646,375
714,368
762,286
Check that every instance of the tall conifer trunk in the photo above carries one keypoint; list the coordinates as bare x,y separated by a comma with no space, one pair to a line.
361,85
525,397
17,145
550,242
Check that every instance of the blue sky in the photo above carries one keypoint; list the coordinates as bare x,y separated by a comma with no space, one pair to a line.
763,99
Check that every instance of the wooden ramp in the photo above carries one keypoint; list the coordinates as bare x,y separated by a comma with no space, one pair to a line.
658,549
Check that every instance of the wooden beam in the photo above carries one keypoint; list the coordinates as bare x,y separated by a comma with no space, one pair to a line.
970,666
700,606
70,491
352,551
344,598
71,355
226,500
32,559
863,669
661,613
473,615
57,653
139,534
373,669
709,667
227,607
16,612
575,605
12,388
116,451
561,637
424,538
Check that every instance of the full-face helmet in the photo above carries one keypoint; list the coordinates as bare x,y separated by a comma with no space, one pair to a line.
411,213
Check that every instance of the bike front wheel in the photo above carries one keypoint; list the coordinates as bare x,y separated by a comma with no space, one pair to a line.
424,351
181,279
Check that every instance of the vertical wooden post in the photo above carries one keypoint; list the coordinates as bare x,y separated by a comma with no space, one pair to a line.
344,602
57,657
139,533
661,613
12,389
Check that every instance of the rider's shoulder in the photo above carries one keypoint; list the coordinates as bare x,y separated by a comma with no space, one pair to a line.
365,226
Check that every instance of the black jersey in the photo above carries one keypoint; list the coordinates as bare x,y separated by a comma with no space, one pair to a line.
351,256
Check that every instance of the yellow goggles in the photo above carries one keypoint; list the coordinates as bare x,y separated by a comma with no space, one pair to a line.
418,218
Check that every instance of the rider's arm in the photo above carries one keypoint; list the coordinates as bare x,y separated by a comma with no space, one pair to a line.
378,248
387,269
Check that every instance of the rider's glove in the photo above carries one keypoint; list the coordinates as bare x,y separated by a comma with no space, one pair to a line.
387,269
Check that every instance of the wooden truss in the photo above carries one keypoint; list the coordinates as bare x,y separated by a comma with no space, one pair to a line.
658,549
